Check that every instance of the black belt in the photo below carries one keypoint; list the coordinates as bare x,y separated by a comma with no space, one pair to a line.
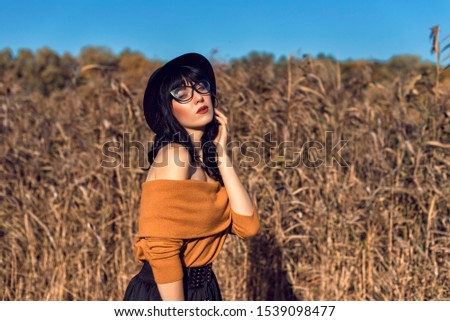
194,277
198,277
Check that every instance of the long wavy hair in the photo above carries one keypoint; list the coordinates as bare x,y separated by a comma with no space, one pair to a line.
174,132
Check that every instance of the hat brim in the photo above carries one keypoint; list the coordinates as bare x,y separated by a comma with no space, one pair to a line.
152,90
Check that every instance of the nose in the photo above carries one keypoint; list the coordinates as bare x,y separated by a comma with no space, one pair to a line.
198,97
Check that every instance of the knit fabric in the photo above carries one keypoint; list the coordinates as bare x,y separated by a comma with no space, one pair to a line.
185,223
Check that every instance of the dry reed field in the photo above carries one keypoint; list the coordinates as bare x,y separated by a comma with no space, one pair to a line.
374,227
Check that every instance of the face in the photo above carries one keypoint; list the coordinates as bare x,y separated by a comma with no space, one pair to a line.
186,113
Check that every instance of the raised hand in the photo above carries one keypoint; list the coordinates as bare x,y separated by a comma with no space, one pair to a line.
221,140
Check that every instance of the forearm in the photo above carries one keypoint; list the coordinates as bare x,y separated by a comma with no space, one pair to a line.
239,198
171,291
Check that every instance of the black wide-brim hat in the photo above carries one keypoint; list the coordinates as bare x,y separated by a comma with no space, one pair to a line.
150,101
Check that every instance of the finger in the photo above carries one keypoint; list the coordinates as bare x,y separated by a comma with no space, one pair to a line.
221,114
223,126
221,119
222,122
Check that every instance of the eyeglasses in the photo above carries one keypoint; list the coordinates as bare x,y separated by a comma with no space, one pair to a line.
184,94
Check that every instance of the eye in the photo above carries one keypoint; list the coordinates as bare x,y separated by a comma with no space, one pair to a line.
203,86
181,93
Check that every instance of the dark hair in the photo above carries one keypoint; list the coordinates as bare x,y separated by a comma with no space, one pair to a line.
173,131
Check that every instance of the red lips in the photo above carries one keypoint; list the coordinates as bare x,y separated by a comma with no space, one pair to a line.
202,110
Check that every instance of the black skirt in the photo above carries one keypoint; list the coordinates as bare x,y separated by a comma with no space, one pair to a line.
199,283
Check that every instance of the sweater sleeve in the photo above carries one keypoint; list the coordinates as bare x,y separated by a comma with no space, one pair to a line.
163,255
245,226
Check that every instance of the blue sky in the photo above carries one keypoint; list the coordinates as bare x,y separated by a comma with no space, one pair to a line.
165,29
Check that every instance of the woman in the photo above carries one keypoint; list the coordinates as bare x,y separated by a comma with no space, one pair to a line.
192,197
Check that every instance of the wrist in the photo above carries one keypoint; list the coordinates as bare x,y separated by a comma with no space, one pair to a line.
223,161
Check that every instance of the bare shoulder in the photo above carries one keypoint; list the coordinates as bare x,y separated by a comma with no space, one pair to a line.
171,162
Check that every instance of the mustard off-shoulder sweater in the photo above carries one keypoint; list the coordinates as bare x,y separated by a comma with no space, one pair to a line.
185,223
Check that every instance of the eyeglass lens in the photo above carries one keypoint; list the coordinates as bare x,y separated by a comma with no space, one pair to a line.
184,93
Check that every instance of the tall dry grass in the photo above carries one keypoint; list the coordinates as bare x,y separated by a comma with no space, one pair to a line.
377,229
